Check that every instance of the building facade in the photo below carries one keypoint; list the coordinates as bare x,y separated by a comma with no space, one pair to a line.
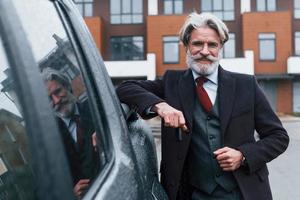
139,39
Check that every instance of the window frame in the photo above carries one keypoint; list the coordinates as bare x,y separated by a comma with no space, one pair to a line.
266,39
172,42
67,19
224,52
222,10
173,7
296,8
83,4
131,37
266,5
123,13
114,124
40,126
295,43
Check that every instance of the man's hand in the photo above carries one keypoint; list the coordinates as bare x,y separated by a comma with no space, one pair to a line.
80,187
95,142
172,117
229,159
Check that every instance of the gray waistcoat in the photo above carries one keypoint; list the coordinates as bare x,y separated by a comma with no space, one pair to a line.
203,170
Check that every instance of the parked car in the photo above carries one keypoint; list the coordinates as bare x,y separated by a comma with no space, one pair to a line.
36,35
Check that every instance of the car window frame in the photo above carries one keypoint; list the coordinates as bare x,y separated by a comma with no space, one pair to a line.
93,67
49,164
119,144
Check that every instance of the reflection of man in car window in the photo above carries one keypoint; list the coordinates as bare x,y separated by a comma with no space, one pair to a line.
76,128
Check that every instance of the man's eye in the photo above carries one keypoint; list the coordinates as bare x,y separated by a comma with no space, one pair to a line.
198,43
213,45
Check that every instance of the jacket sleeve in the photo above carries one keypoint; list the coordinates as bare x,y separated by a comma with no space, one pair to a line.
273,139
141,95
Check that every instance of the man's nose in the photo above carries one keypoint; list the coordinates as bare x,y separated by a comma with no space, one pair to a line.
204,50
55,99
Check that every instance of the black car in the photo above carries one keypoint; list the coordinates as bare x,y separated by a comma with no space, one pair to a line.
36,35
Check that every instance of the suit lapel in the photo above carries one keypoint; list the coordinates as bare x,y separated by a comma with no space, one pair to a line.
226,95
187,96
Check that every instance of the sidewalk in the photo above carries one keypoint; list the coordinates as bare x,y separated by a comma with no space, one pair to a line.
289,118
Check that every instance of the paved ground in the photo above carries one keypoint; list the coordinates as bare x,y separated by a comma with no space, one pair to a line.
284,171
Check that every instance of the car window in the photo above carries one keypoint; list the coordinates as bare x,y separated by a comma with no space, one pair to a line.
16,174
68,96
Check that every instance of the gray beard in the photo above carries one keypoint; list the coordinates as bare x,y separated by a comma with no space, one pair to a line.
202,69
68,107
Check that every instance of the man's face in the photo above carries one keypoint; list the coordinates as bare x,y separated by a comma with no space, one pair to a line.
62,100
203,50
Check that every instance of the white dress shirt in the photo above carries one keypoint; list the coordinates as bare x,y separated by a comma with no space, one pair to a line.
210,86
71,125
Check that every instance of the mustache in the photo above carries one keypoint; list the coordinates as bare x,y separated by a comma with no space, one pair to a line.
204,58
61,104
65,101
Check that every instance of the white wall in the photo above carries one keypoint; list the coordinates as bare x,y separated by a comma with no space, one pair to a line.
135,68
147,68
293,65
240,65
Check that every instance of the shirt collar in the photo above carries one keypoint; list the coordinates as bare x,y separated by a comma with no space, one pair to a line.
213,77
67,120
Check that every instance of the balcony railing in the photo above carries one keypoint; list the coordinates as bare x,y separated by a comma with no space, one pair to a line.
244,65
293,65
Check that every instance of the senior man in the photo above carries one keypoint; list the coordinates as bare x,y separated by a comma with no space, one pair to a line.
216,155
76,128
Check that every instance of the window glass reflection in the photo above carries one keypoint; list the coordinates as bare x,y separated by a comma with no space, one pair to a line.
297,43
266,46
229,47
221,8
16,173
171,49
126,11
67,92
127,48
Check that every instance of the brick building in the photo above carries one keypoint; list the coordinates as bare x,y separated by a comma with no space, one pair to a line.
139,39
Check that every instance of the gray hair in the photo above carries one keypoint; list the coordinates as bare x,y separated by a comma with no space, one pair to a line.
195,20
50,74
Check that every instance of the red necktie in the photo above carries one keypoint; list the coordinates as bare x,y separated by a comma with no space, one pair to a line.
79,131
202,94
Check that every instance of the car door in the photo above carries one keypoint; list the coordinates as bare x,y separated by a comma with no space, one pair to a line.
41,34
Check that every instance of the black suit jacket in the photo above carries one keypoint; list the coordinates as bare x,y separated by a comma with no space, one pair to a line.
243,109
83,164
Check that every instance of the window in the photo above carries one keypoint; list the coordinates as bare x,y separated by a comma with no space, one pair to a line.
297,9
67,96
173,7
229,47
224,9
266,5
297,43
171,49
16,174
266,46
126,11
85,7
127,48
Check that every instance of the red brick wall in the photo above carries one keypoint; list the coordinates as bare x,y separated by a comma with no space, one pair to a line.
157,27
279,23
95,26
284,97
273,22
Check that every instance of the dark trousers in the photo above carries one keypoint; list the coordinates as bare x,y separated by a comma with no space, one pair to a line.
218,194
